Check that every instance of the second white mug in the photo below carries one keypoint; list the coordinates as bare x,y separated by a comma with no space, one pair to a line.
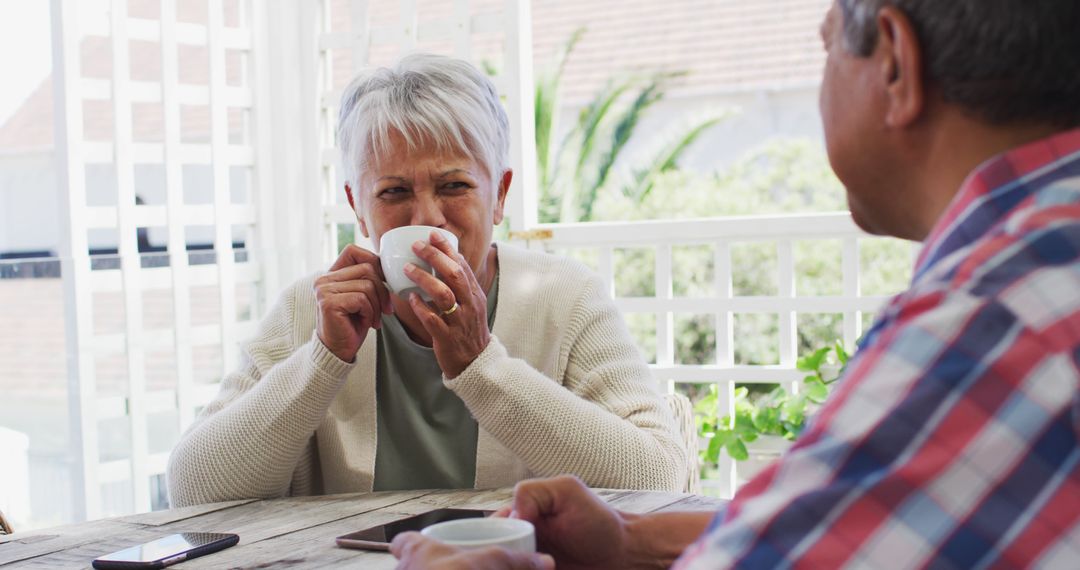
512,534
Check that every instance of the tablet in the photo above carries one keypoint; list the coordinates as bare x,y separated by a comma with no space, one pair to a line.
379,537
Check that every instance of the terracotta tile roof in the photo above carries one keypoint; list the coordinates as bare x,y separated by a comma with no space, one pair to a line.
31,126
722,44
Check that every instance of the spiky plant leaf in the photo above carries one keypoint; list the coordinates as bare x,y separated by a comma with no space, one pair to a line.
589,125
627,121
667,159
546,109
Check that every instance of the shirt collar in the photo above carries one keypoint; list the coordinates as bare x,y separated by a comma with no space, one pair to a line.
991,191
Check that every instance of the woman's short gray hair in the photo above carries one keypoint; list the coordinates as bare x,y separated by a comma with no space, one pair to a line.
1006,61
429,100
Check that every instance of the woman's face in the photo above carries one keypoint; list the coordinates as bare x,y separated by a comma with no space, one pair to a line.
424,187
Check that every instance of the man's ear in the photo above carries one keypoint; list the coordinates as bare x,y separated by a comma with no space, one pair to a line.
504,189
900,65
352,204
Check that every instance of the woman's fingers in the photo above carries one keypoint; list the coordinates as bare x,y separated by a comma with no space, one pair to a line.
453,281
432,321
351,298
359,271
442,296
449,265
365,272
348,299
350,294
355,255
456,318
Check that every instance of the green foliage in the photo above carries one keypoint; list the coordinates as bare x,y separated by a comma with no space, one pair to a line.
346,234
885,263
625,122
695,339
777,413
546,108
576,171
666,160
781,176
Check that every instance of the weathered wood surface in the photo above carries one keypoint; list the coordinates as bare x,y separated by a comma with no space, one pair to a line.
284,533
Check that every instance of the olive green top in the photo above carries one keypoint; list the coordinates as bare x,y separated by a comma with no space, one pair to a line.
427,437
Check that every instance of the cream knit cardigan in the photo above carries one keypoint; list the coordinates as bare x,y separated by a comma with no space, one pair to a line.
561,388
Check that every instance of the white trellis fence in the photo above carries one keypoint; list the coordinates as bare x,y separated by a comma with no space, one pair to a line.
191,173
607,246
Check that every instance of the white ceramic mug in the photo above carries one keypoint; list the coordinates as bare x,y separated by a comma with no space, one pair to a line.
395,250
511,534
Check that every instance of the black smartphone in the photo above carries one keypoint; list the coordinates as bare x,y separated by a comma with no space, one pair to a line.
167,550
379,537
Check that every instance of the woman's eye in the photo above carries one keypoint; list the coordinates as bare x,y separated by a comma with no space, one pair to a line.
392,192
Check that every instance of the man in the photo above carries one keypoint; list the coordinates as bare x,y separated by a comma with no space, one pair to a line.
952,440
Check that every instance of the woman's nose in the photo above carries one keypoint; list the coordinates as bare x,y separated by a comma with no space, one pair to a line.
427,211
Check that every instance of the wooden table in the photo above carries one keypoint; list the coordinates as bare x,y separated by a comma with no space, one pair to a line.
283,533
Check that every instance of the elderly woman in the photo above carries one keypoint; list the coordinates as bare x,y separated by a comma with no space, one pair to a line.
519,366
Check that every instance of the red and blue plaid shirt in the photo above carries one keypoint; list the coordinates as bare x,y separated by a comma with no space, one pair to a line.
952,439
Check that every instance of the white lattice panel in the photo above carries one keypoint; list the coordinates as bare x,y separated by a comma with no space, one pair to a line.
601,244
179,149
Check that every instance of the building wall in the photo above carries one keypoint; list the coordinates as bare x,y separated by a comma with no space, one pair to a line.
752,119
758,117
29,220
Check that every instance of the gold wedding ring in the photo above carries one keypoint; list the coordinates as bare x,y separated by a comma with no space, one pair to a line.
451,310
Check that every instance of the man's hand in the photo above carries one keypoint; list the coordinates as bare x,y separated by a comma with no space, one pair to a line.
584,533
352,299
572,524
417,552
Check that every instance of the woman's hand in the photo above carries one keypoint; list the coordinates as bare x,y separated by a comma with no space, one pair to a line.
457,317
352,299
417,552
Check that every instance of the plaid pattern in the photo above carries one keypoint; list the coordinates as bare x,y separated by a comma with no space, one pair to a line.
951,442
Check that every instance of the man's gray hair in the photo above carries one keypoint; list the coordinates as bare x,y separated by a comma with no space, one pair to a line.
1006,61
430,100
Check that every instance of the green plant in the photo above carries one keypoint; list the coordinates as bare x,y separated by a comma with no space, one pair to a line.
574,171
346,234
546,106
777,413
